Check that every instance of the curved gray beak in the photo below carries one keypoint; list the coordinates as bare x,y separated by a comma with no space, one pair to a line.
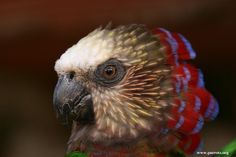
72,101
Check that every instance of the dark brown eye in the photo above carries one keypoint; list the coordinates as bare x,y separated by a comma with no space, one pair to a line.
109,72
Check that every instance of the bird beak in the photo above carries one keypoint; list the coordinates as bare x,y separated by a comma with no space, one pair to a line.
72,101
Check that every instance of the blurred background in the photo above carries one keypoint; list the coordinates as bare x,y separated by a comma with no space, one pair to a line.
34,33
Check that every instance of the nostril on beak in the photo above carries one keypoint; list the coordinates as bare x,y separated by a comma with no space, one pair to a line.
71,75
66,109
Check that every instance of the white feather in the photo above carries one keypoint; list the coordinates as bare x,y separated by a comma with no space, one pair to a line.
89,52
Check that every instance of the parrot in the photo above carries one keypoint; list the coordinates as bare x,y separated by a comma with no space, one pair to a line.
131,91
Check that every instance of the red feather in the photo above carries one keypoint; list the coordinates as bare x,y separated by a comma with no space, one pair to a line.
192,104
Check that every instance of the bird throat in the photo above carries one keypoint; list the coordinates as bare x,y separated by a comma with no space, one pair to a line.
140,149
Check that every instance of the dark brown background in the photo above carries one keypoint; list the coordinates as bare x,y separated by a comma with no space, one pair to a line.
33,34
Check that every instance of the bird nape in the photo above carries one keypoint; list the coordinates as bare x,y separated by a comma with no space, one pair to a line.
129,91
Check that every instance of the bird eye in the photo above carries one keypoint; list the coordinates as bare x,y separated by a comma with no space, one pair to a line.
110,72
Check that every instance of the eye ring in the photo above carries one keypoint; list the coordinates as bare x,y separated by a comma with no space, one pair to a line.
110,73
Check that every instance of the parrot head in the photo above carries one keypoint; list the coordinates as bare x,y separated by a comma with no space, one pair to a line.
117,87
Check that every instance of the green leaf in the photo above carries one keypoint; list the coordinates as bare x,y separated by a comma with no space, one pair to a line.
76,154
176,153
230,149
